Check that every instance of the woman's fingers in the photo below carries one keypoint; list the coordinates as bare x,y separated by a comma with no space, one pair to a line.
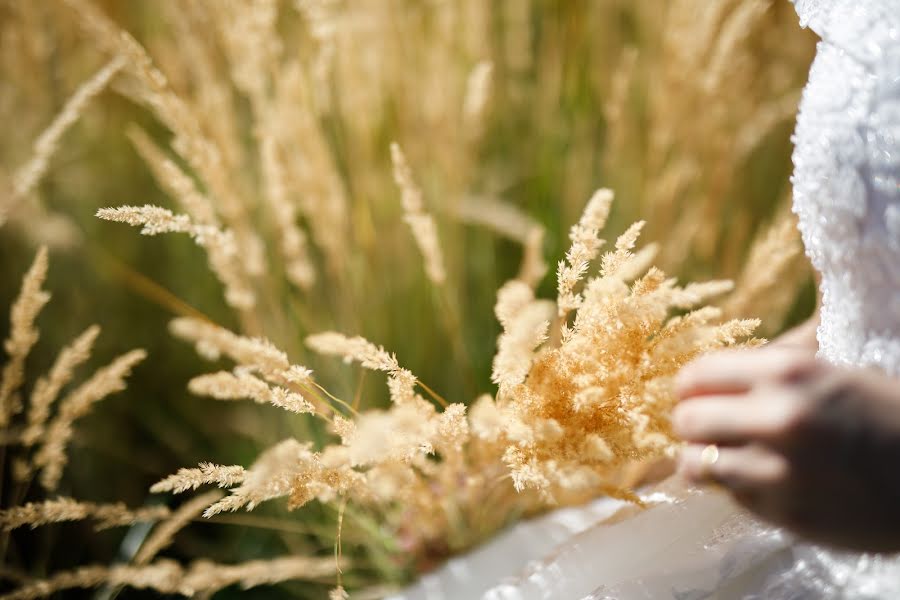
730,420
738,371
742,469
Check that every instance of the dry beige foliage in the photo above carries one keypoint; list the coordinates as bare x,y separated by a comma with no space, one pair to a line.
571,416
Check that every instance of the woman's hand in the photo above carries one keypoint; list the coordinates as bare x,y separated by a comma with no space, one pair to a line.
807,445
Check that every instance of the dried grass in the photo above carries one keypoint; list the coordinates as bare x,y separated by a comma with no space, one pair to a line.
23,335
278,167
568,418
50,456
29,174
168,577
67,509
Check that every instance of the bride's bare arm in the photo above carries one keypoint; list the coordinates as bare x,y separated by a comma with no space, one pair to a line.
802,336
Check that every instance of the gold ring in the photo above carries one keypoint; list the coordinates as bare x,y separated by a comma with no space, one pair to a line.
708,458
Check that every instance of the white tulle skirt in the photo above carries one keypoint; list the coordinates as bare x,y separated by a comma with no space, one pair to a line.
688,545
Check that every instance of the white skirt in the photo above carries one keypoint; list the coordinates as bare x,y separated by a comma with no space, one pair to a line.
688,545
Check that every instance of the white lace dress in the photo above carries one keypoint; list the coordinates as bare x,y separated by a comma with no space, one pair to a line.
847,177
694,545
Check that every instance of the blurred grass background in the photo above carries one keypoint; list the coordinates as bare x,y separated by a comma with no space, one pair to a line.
685,108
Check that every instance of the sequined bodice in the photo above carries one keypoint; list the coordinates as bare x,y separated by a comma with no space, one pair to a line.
847,177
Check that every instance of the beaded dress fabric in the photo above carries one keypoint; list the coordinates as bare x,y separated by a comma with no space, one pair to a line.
847,177
694,545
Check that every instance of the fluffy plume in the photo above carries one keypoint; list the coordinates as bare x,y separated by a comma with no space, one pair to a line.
168,577
602,398
774,255
420,222
22,335
51,454
36,514
357,349
525,324
48,387
586,244
255,354
219,244
400,434
273,475
242,385
45,146
164,532
205,474
477,95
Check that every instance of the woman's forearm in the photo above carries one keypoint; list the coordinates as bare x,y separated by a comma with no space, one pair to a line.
801,336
